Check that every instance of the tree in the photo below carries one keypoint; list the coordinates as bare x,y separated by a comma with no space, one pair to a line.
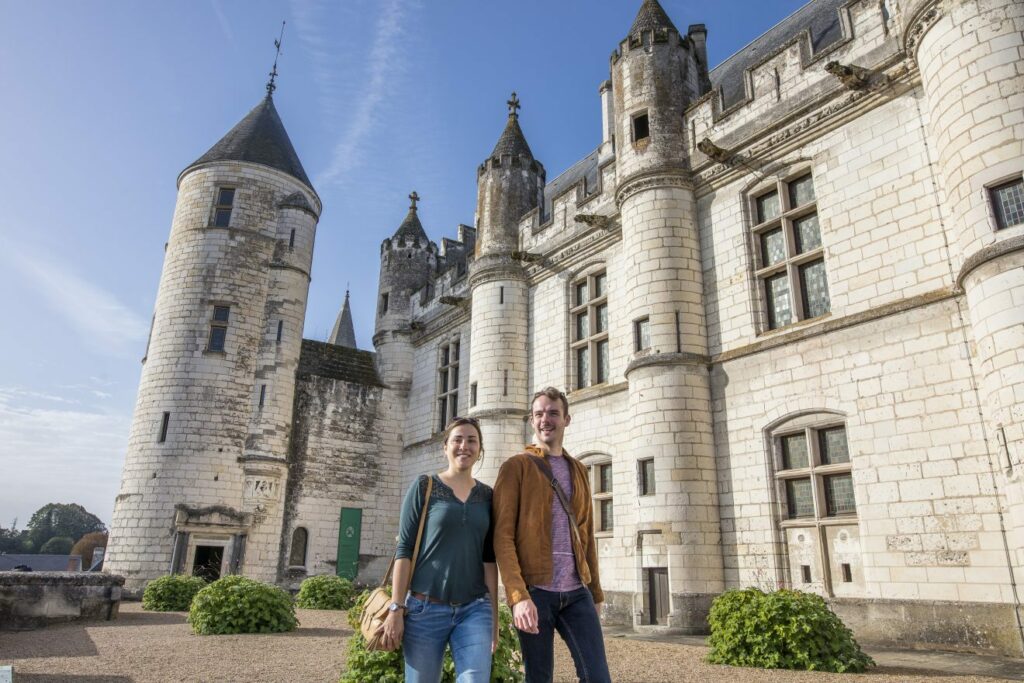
13,541
60,519
87,544
58,545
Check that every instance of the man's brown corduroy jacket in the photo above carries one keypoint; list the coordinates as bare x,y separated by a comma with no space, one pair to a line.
522,526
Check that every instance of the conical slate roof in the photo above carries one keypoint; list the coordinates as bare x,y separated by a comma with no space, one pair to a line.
344,333
259,138
411,227
650,17
512,140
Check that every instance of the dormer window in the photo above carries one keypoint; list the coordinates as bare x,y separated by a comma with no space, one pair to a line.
222,210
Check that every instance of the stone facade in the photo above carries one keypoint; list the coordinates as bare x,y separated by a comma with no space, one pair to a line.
778,293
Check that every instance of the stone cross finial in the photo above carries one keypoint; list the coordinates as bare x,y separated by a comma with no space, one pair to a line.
414,198
513,106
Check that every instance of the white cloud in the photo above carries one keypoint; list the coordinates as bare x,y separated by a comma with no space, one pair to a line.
225,26
100,319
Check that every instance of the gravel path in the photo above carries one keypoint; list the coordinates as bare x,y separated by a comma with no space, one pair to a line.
145,646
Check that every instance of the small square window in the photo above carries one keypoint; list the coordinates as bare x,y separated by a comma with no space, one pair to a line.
217,337
1008,203
641,127
221,313
646,477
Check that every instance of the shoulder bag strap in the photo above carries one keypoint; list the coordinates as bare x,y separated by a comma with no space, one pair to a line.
562,498
419,537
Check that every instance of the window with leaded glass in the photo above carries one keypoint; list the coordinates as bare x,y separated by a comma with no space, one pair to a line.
1008,203
447,384
223,206
813,466
600,474
790,259
589,347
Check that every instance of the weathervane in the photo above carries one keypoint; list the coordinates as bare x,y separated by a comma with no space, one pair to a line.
414,198
273,72
513,106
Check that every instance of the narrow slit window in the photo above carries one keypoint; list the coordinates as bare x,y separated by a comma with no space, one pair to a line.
383,303
291,239
165,423
641,127
280,330
472,395
263,394
805,573
847,573
642,334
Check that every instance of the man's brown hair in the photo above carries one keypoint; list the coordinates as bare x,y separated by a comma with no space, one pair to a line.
553,394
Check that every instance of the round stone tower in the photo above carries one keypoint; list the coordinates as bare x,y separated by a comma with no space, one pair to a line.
969,55
655,74
510,183
407,259
205,472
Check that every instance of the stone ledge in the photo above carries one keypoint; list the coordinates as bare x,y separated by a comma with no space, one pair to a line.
31,600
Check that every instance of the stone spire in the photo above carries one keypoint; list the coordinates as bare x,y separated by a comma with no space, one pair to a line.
651,16
259,138
512,140
344,334
411,228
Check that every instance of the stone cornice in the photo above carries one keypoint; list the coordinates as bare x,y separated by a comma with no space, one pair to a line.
564,255
924,17
694,359
440,324
988,253
500,413
281,265
493,268
832,110
659,177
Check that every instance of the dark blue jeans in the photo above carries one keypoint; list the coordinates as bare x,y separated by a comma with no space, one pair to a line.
574,616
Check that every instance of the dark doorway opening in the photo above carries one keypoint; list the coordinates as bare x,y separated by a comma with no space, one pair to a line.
208,561
656,579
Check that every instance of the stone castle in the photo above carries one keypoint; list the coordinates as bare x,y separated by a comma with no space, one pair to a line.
786,296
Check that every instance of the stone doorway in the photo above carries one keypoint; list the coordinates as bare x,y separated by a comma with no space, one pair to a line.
208,561
656,582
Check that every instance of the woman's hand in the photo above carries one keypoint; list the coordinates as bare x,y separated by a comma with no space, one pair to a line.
394,626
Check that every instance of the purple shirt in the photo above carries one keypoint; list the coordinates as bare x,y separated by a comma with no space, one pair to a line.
564,576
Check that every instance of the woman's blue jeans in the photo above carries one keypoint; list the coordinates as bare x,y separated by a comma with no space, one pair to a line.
430,626
574,616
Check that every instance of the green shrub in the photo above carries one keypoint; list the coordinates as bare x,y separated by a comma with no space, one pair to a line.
235,604
172,593
781,630
326,592
58,545
389,667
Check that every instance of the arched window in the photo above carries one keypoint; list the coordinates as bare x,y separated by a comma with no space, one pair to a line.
811,461
297,558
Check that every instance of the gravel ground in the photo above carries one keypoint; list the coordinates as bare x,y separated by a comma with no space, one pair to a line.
145,646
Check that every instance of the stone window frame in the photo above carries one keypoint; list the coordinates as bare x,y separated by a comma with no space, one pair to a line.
222,208
795,259
634,119
646,485
642,334
595,339
996,215
810,424
447,394
218,325
305,547
601,497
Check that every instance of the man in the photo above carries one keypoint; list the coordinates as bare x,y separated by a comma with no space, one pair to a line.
548,560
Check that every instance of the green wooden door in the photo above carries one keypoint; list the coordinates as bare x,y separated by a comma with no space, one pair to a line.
348,542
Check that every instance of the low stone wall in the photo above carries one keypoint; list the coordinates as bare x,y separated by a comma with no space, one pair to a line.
980,627
34,599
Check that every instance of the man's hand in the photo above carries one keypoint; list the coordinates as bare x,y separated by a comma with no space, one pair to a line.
524,616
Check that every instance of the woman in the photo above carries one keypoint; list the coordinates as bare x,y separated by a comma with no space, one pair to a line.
453,599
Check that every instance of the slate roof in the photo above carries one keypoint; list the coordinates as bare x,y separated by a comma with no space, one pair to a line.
259,138
411,226
651,16
344,333
512,140
821,17
321,359
587,167
41,563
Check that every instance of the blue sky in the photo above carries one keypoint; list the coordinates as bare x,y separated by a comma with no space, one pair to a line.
104,103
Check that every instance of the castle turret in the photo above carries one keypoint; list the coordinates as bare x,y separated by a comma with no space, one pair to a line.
509,184
407,260
205,471
969,55
655,74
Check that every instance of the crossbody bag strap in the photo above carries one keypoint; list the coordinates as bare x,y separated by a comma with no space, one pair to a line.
562,498
419,537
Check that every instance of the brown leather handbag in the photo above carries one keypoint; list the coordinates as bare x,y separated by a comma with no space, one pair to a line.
375,610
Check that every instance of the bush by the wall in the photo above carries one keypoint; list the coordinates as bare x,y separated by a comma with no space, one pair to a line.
235,604
781,630
172,593
389,667
58,545
326,592
87,544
